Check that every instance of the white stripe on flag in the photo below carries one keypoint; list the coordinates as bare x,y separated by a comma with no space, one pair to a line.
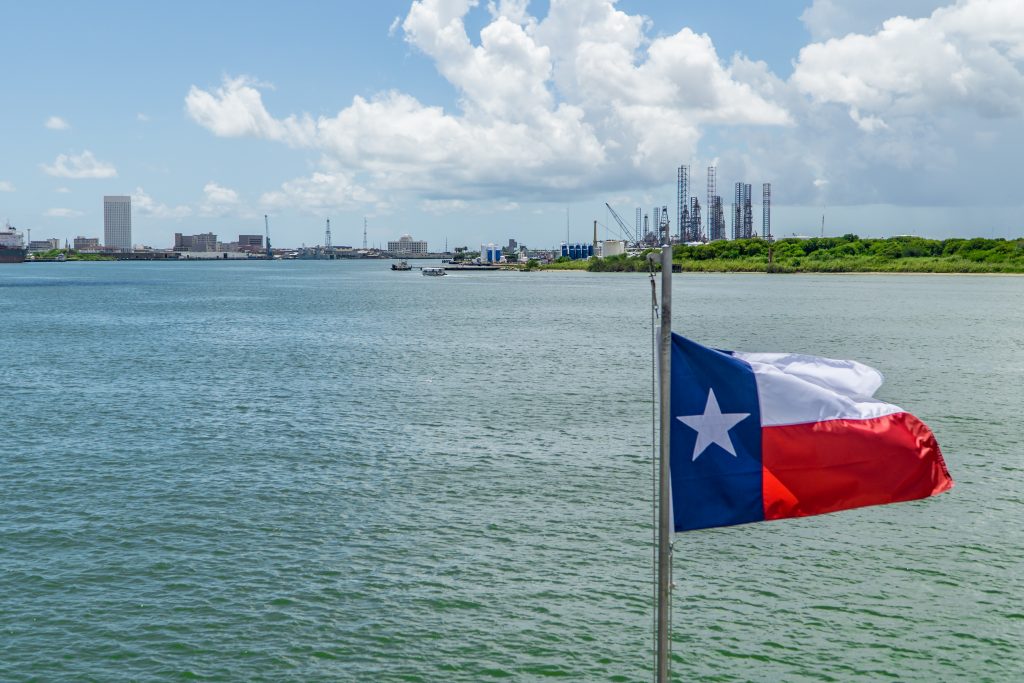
795,389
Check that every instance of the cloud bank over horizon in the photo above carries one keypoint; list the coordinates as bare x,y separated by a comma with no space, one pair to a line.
539,117
589,99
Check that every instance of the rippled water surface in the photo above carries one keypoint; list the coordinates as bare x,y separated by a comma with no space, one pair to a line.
329,471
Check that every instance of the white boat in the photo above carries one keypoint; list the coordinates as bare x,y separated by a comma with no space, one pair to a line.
433,271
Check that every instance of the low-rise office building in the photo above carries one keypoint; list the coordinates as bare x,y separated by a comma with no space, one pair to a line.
246,243
202,242
87,244
36,246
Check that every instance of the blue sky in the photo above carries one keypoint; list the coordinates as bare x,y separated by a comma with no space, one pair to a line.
477,122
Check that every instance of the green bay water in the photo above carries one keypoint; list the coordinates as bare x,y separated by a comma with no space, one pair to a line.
328,471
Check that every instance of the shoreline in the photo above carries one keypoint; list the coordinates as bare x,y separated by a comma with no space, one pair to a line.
556,269
762,272
908,255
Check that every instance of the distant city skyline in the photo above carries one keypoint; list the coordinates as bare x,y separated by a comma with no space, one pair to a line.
475,122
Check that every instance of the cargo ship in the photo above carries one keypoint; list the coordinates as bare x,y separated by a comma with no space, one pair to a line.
12,245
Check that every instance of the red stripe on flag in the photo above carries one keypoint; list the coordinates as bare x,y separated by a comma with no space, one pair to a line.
819,467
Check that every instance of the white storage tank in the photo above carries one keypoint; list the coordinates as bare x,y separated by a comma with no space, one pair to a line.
612,248
490,253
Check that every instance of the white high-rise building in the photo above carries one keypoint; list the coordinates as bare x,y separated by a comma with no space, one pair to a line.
117,223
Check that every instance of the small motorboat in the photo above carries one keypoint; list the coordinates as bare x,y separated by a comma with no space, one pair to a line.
433,271
401,265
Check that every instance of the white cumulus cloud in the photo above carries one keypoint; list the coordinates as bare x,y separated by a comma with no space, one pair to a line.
443,206
322,191
78,166
236,109
868,124
6,186
578,100
145,205
218,200
57,123
591,99
826,19
967,55
63,213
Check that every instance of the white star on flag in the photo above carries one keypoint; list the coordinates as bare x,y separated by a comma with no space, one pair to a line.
713,426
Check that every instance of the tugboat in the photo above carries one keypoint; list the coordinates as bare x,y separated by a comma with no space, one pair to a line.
12,245
401,265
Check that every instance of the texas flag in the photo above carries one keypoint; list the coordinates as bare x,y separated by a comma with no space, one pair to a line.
760,436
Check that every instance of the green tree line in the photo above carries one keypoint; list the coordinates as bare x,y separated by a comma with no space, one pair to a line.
848,253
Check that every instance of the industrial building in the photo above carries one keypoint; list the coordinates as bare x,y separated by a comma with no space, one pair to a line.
247,242
742,213
685,233
207,242
688,210
578,250
490,253
696,223
211,256
696,227
716,217
202,242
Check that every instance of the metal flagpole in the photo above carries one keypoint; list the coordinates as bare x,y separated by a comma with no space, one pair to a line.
664,485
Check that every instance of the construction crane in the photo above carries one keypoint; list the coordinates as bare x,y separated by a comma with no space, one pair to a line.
266,225
622,225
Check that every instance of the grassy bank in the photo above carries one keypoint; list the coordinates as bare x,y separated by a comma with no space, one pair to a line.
71,255
846,254
582,264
